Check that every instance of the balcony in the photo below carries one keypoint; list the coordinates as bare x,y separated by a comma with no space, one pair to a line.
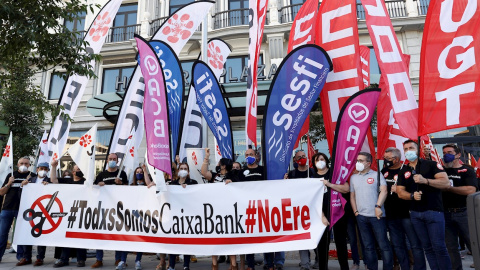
155,24
122,33
422,6
394,8
232,17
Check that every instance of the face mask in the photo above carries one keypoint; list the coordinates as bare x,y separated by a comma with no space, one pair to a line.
321,164
139,176
359,166
67,176
302,162
447,158
411,155
23,168
42,173
388,164
250,160
183,173
79,174
218,169
112,164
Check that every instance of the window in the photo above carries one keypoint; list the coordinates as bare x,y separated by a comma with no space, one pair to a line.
238,12
125,23
77,25
57,82
116,79
177,4
236,69
187,73
374,68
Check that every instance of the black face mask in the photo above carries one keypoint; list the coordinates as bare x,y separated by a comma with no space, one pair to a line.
388,164
79,174
218,169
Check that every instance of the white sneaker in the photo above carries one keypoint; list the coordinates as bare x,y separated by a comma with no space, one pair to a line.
138,265
121,265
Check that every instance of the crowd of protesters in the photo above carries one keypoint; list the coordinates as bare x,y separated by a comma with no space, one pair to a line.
410,214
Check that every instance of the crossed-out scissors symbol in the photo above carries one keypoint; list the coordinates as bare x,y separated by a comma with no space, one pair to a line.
43,214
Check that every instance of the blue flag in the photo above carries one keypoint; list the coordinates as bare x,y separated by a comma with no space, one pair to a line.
173,73
211,103
292,94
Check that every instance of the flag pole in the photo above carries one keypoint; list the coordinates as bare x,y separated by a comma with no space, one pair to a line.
204,59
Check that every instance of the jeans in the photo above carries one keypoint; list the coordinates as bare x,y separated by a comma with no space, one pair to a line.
172,259
6,220
398,228
304,258
27,252
99,255
274,258
250,258
81,254
121,255
456,225
279,258
372,228
430,229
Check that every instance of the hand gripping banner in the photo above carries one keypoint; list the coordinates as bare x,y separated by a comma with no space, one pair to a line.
392,67
212,105
352,126
173,73
175,31
293,91
155,108
449,94
75,85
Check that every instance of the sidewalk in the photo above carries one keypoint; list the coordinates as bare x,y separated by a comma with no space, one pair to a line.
150,262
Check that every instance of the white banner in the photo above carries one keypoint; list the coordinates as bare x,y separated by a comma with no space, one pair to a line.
76,84
238,218
130,118
195,158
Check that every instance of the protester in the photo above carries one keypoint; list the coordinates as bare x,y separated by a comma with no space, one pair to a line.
398,216
427,152
40,178
421,182
110,177
322,171
367,203
463,182
77,179
223,171
183,180
11,190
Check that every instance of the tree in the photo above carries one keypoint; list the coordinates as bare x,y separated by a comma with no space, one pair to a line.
34,39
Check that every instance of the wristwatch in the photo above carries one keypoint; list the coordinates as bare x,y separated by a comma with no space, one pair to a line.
378,206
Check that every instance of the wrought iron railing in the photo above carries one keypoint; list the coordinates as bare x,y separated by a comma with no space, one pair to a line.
395,9
155,24
232,17
122,33
422,6
287,13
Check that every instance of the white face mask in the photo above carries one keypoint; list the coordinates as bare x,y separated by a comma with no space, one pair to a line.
359,166
67,176
183,173
42,173
321,164
23,168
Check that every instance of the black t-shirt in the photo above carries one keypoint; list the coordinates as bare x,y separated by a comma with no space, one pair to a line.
71,181
326,194
300,174
188,181
431,197
395,208
255,174
11,199
109,177
459,177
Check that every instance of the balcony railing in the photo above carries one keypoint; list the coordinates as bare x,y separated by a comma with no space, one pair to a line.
122,33
232,17
395,9
287,13
155,24
422,6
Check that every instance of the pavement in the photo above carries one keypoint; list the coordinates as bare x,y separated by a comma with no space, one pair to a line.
150,261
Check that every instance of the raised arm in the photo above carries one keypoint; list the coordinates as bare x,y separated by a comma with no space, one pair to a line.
53,172
204,171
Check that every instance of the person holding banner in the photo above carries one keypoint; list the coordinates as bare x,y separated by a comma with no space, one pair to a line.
422,182
183,180
77,179
11,190
111,176
368,192
41,178
398,215
322,171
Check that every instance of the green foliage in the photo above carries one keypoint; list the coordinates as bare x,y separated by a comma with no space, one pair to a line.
33,39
